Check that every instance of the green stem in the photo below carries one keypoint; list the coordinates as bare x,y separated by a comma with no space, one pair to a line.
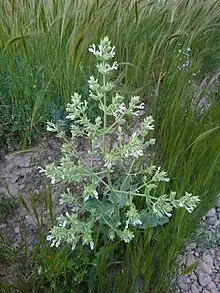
104,113
128,174
105,125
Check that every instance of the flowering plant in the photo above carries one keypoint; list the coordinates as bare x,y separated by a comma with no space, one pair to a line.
116,181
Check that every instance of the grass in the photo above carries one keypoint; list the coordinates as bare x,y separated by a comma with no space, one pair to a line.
44,59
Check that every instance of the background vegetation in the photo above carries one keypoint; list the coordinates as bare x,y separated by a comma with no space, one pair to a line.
44,59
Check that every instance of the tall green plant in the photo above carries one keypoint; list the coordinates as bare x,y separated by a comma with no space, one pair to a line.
119,188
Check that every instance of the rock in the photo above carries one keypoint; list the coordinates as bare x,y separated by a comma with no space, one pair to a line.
204,268
204,279
216,224
21,186
14,178
3,226
190,259
183,286
16,245
217,210
196,254
194,289
211,213
217,280
211,220
183,279
205,291
193,277
218,202
208,260
183,283
17,230
191,246
211,286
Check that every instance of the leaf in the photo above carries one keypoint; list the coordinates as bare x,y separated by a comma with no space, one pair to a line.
190,269
103,207
150,220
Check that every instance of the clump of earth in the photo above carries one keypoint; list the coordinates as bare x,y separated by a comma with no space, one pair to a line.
21,183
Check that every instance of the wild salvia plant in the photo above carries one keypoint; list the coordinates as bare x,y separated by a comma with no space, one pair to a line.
116,180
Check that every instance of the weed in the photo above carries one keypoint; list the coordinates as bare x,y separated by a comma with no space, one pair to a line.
7,206
53,39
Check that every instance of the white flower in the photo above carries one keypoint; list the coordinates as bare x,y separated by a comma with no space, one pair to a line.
95,194
141,106
41,170
63,224
91,244
111,234
53,180
49,237
86,198
136,222
168,214
137,113
67,215
133,217
104,51
40,270
53,243
121,109
126,235
92,49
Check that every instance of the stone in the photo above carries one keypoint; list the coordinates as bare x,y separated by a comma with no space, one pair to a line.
193,277
3,226
191,246
204,268
17,230
211,220
194,289
183,279
218,202
216,224
183,283
211,213
217,280
196,254
204,279
16,245
21,186
183,286
205,291
208,260
190,259
14,178
211,286
217,210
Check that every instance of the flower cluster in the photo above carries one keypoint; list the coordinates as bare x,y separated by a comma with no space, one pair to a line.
185,59
110,193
